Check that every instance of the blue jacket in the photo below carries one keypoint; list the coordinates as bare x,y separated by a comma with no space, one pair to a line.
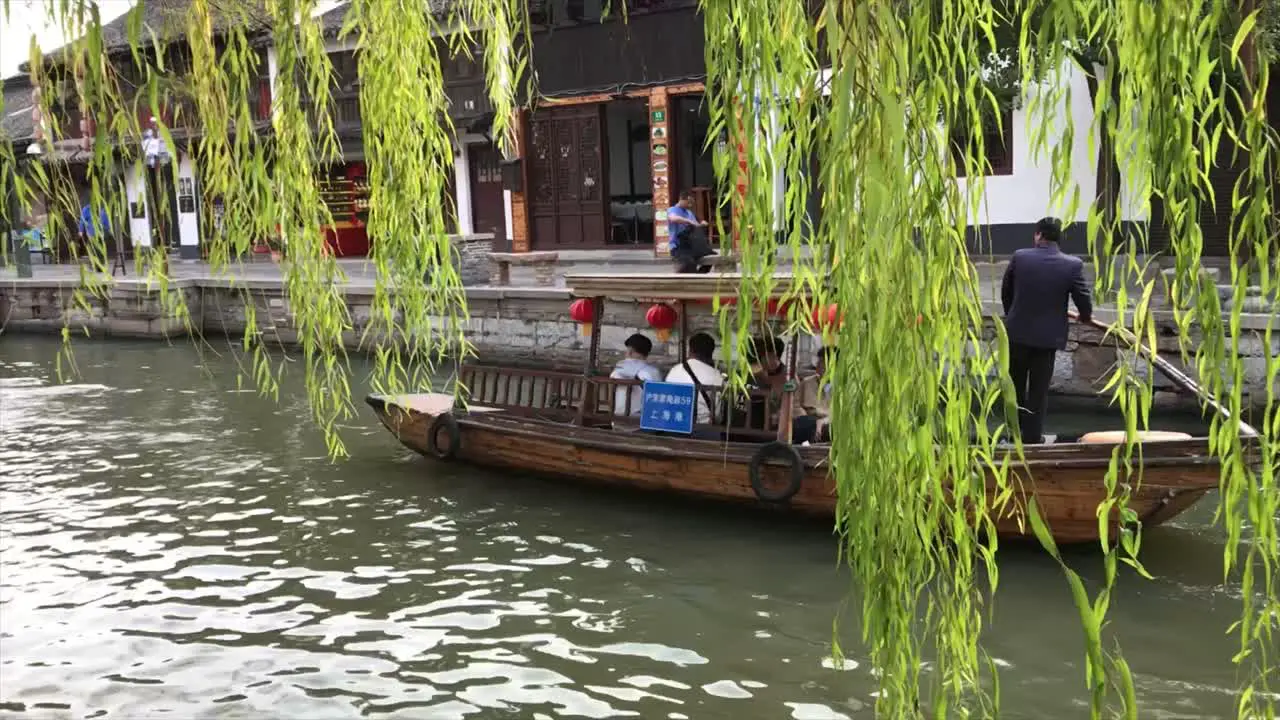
86,221
1037,283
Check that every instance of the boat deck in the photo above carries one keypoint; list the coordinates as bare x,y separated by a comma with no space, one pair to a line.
432,403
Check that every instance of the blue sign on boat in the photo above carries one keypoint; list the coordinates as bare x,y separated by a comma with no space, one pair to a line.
668,407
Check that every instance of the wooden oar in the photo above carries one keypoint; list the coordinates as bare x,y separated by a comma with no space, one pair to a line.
1177,376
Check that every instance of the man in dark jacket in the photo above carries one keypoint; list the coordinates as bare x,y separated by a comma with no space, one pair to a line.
1037,283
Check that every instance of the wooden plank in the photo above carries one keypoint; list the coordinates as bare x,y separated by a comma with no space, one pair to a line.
667,285
526,258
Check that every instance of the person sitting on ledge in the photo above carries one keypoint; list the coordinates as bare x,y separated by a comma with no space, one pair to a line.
687,237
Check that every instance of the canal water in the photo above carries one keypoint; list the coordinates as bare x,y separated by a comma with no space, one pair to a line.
172,545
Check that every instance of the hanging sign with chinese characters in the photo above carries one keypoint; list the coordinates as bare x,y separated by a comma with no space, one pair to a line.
659,166
667,407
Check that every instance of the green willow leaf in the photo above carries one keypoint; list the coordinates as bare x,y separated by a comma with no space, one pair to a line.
919,459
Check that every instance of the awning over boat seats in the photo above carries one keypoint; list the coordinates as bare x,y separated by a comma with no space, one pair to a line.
1117,436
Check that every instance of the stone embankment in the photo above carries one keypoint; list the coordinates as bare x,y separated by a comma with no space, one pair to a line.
526,325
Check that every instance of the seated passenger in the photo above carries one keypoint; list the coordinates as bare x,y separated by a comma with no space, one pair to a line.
765,356
634,366
699,370
767,376
812,406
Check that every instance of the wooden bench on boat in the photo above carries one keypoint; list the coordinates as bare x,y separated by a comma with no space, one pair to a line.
594,401
568,424
543,263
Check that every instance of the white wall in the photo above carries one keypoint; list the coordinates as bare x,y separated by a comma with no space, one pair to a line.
511,223
188,222
1132,206
462,189
273,74
1027,195
462,182
135,191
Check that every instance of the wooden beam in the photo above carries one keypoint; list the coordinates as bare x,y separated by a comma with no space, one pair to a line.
668,286
692,88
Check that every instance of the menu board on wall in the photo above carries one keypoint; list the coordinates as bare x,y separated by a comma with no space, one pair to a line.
660,169
186,195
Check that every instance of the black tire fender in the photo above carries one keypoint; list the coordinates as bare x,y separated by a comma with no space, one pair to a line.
449,424
776,451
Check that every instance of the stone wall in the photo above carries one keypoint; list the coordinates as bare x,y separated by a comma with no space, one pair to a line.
471,257
122,309
528,326
1087,363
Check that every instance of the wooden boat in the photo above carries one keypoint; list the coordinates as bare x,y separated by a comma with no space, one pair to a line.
563,424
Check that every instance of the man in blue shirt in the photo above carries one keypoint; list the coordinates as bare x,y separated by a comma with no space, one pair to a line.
687,236
86,225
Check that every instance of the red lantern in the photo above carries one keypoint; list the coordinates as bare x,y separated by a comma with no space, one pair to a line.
661,318
583,311
827,319
777,308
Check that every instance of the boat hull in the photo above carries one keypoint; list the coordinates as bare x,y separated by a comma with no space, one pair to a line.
1067,481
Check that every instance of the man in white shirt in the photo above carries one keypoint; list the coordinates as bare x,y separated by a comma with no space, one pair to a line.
635,366
699,369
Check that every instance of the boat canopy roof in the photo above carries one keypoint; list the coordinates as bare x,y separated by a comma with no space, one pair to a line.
669,286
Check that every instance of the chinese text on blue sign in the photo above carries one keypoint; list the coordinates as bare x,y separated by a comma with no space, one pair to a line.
667,407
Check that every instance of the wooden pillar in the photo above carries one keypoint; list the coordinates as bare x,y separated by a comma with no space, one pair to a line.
682,307
519,204
740,179
661,153
789,388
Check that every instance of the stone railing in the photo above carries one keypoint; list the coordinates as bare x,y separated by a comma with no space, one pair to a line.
525,326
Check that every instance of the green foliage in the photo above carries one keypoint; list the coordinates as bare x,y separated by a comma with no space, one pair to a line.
922,478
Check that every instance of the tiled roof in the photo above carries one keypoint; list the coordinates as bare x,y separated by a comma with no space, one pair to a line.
331,21
166,21
15,116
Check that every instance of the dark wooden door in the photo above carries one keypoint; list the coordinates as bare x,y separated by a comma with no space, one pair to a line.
1214,218
450,201
488,209
163,208
567,178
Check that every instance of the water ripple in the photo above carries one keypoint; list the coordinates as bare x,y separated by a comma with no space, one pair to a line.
173,546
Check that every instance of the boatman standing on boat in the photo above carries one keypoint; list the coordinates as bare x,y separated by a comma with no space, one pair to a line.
1037,283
